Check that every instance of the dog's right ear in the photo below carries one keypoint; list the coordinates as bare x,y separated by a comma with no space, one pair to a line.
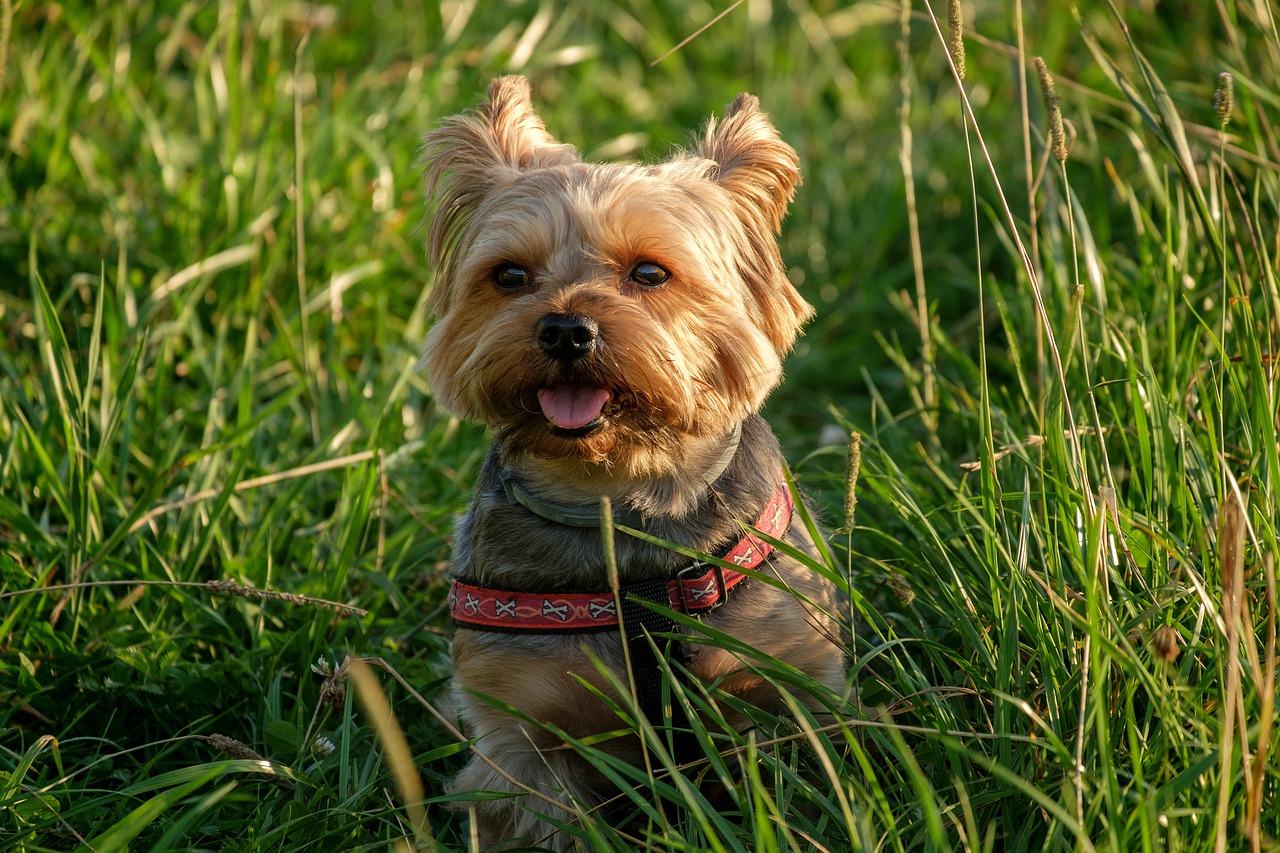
472,153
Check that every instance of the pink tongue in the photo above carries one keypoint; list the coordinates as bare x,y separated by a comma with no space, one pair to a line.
572,408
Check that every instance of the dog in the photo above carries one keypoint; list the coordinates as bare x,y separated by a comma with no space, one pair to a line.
617,328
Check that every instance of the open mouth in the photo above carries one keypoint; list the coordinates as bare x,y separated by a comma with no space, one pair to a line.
573,411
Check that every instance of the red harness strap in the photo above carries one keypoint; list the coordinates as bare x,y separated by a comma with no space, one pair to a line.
479,607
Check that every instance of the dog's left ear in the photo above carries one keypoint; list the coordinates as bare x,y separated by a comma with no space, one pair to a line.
754,165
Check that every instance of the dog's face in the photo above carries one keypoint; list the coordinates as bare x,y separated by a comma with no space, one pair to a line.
606,312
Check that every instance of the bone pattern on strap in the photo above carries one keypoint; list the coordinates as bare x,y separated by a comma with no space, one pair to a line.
480,607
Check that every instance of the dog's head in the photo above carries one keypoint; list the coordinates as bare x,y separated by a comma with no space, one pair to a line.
603,312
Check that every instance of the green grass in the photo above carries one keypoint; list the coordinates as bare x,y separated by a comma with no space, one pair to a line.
211,305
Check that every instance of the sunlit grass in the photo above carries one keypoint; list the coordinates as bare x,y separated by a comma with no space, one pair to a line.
212,430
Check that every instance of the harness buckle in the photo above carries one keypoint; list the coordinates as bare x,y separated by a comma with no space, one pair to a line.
717,586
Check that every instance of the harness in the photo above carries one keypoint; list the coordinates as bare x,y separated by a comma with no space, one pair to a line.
696,589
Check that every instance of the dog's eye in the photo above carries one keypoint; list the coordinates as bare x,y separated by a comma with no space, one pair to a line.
649,274
510,276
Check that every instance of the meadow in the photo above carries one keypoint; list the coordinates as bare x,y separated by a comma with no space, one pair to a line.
1037,414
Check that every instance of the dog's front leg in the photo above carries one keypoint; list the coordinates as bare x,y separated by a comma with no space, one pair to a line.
538,680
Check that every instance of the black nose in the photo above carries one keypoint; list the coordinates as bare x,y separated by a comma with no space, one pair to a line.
567,336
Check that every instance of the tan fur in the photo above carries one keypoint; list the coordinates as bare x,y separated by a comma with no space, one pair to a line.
686,365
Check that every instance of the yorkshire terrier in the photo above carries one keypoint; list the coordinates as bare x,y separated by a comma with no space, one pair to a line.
617,328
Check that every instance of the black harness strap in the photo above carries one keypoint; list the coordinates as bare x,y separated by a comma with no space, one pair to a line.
641,623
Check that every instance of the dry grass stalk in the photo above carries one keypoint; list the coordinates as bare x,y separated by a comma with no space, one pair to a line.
227,587
1256,780
396,748
230,587
1231,545
252,483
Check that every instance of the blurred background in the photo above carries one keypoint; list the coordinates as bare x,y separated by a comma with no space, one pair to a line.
164,133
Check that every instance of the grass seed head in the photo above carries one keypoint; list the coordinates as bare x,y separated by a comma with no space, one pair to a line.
1052,106
232,747
955,36
851,481
1224,98
1164,642
901,589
